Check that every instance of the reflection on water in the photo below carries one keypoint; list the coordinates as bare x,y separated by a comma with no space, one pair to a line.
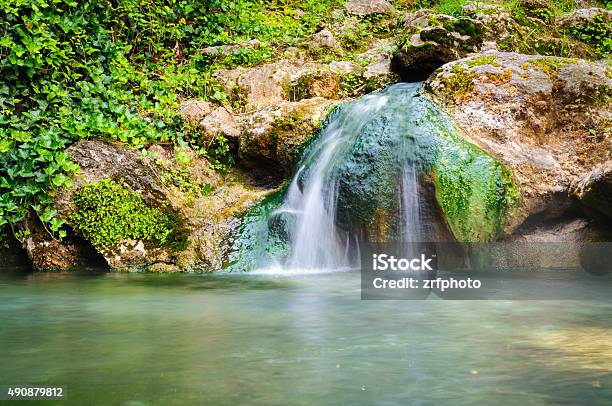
261,339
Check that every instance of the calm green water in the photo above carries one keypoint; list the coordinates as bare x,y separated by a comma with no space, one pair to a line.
130,339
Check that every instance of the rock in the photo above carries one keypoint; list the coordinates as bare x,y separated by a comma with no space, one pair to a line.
584,16
430,40
379,61
274,135
228,49
50,254
194,111
14,257
325,39
368,7
219,121
205,205
257,87
595,189
562,230
537,115
318,83
560,243
293,79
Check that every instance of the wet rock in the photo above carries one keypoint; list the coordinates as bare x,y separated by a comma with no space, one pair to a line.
595,189
545,118
368,7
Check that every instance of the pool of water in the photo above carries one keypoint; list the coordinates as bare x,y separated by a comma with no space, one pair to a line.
135,339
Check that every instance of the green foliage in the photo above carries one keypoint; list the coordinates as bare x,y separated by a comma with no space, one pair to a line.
596,32
115,70
106,213
448,7
63,79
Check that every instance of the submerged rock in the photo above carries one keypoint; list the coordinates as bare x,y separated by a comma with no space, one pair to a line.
545,118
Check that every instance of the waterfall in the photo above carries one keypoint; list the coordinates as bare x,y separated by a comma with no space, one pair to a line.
360,181
310,207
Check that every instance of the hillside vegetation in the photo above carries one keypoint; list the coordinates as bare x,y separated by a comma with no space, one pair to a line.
117,70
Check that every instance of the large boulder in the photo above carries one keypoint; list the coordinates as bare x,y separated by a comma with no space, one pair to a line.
545,118
175,187
584,16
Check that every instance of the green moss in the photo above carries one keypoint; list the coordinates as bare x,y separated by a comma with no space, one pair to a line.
107,213
459,82
475,192
482,60
551,66
355,84
261,236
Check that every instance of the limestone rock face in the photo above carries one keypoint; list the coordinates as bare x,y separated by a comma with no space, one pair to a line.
193,111
547,119
220,121
206,205
273,136
595,189
367,7
284,102
294,79
256,87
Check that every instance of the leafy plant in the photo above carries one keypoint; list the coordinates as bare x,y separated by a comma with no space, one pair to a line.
107,213
597,32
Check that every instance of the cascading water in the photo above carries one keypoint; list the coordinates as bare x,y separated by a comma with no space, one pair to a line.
317,237
359,181
312,197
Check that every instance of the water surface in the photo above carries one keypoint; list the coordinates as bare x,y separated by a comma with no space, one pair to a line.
135,339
